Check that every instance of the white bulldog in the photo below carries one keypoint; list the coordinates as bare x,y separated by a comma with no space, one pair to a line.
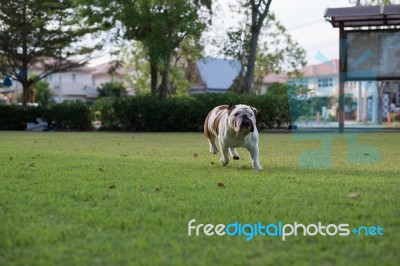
234,126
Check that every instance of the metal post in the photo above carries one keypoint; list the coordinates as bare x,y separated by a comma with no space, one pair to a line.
342,70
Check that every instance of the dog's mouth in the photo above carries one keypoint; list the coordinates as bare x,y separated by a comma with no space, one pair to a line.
247,124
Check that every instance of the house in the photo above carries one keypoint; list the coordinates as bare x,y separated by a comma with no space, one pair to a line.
107,72
111,71
73,85
214,75
271,79
322,80
77,85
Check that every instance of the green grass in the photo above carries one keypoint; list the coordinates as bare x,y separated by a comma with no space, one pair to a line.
126,199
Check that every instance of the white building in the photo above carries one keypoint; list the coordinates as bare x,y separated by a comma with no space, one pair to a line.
78,85
322,80
75,85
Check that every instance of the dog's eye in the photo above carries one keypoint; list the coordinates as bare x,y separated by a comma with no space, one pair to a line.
236,114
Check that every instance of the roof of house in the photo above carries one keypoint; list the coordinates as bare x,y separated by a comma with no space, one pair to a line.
274,78
218,74
46,63
327,68
106,68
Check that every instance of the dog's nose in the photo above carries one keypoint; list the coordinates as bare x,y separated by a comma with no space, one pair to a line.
245,116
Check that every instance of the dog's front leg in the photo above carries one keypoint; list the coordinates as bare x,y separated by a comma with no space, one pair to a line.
224,153
254,157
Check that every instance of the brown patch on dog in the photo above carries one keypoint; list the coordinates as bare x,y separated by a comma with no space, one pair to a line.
207,133
215,125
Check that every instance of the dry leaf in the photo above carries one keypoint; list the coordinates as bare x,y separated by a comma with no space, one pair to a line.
195,155
220,184
101,169
354,195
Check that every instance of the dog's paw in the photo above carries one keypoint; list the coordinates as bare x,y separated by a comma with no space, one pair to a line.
223,163
257,167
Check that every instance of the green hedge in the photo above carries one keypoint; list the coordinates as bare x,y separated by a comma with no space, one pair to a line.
67,116
151,114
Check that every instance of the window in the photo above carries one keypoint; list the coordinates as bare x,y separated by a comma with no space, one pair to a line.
325,82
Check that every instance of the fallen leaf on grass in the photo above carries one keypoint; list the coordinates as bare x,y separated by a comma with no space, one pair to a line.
220,184
101,170
354,195
112,187
195,155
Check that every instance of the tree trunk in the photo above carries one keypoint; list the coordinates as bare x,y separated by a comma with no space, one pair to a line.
153,78
163,90
259,11
248,82
25,94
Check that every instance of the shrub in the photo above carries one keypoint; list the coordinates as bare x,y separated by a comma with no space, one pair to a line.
66,115
147,113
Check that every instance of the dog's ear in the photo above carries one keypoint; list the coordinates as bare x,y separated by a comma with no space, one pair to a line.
254,110
231,107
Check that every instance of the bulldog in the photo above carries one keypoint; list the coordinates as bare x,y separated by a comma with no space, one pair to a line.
234,126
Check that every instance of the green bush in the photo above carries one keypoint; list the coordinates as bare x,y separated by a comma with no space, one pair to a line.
150,114
14,117
147,113
67,116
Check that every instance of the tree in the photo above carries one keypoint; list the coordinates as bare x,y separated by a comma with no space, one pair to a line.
161,26
275,51
43,34
43,94
112,89
137,68
133,59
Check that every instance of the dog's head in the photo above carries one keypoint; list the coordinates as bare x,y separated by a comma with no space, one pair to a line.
242,118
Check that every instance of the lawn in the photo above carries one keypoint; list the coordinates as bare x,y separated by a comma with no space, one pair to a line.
127,198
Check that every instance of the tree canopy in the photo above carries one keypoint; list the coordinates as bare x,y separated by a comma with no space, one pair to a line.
161,26
42,34
262,45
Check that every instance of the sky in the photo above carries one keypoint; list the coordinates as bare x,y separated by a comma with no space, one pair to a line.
304,20
306,23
